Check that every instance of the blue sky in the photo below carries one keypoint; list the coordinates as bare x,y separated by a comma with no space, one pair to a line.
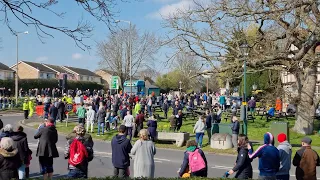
61,50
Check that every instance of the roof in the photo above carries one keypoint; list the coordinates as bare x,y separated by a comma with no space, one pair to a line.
39,66
4,67
57,68
81,71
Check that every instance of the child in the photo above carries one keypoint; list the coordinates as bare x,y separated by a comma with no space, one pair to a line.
108,119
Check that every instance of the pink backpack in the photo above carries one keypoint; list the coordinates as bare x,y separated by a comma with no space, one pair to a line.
196,162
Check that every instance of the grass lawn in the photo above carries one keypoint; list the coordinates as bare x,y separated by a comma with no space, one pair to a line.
256,131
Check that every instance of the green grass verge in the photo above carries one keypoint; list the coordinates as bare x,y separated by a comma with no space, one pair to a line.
256,131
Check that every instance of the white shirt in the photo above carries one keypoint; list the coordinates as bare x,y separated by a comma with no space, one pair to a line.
128,120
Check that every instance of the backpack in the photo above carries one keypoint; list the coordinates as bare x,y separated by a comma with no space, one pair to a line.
196,162
78,153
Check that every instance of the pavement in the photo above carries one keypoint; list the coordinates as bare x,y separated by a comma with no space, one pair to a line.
167,161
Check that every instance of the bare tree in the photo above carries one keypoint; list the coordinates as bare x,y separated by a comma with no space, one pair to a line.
114,52
289,32
24,12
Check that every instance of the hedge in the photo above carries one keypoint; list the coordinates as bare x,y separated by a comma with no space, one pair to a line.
26,84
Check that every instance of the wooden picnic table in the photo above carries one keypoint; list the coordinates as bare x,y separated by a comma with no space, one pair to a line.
200,112
188,114
154,106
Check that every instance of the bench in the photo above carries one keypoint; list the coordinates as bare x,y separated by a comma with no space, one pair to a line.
179,138
188,114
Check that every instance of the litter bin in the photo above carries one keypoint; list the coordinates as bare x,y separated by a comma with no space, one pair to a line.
224,128
278,127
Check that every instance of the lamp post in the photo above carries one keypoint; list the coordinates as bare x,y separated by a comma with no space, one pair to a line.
180,89
130,51
244,48
17,76
206,76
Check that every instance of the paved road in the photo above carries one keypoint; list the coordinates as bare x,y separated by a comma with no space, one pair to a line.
167,161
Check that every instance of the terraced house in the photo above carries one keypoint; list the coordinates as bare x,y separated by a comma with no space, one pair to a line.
6,72
32,70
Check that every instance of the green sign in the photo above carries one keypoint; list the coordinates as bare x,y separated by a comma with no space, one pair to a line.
115,81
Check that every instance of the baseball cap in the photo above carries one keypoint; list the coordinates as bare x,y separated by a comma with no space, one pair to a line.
306,140
282,137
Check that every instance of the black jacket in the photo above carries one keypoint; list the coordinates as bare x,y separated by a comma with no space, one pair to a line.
185,165
61,107
121,148
53,111
209,121
48,137
21,143
243,165
9,164
235,127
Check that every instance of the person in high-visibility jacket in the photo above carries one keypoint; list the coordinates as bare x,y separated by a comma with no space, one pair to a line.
25,108
137,108
31,107
64,99
69,100
278,104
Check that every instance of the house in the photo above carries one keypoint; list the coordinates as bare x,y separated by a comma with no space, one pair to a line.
6,72
105,76
32,70
83,74
60,71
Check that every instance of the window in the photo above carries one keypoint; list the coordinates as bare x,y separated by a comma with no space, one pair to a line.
81,78
92,79
88,78
41,75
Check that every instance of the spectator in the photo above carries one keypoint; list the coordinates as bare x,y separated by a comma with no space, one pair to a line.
179,117
199,166
234,108
7,131
139,121
152,128
173,122
144,151
269,158
137,108
243,164
252,105
108,120
209,118
21,143
61,110
53,112
285,150
222,101
121,148
128,122
306,160
87,137
31,106
199,129
91,114
101,116
235,131
9,159
47,149
80,170
81,112
165,108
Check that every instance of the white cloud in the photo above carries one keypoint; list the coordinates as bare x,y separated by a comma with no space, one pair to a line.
164,1
77,56
171,9
42,59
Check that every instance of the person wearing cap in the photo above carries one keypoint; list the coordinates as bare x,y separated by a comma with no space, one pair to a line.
121,148
285,151
269,158
306,160
81,170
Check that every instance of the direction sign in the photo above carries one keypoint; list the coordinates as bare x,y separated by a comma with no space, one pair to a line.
69,107
115,82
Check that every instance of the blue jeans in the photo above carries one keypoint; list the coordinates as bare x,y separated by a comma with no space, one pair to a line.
149,111
199,137
76,173
100,127
22,171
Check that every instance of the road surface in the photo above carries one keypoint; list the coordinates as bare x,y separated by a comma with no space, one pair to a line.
167,161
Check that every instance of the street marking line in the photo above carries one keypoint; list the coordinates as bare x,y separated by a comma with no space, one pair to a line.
163,159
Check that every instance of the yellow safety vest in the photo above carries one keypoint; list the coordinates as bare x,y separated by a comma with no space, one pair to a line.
25,106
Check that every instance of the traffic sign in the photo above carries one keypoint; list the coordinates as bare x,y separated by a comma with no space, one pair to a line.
69,107
115,82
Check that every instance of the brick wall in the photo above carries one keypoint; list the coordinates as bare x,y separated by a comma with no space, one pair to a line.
27,72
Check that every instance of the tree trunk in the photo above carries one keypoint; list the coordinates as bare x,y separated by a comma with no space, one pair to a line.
306,106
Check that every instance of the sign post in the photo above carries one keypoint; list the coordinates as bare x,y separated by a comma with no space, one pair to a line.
69,108
115,83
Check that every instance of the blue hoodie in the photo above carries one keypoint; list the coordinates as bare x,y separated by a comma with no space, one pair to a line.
121,147
269,158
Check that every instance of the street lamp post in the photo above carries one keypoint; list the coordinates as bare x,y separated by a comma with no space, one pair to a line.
17,76
206,75
180,89
245,52
130,50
